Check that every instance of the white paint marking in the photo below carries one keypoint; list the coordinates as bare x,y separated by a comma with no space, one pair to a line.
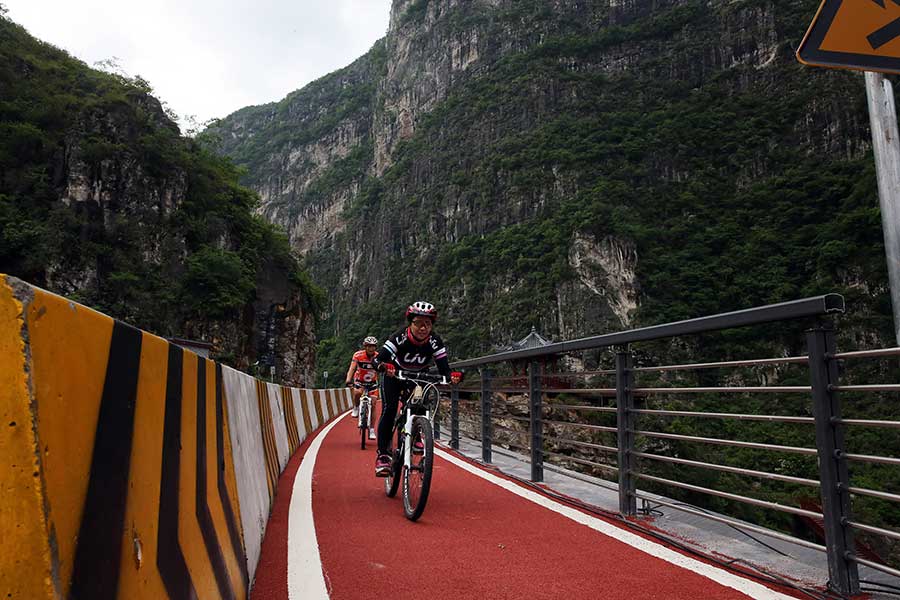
745,586
305,579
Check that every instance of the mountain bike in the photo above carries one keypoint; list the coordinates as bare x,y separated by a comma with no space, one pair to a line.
365,416
409,466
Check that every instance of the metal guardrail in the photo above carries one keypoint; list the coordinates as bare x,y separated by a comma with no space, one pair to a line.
785,311
625,461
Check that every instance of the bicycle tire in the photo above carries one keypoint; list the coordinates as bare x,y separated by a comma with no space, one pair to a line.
432,402
363,421
417,478
392,482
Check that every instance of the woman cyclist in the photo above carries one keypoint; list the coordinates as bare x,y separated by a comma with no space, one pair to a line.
414,348
362,376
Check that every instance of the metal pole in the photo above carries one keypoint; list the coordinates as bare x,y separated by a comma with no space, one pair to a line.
454,418
843,574
885,141
486,415
537,434
625,426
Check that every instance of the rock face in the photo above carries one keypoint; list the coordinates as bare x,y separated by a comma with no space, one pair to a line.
103,200
565,164
274,327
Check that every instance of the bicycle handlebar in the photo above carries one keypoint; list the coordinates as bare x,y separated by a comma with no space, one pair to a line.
425,377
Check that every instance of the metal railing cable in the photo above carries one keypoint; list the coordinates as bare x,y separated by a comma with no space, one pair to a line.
511,430
581,425
568,442
728,469
582,461
712,415
729,496
757,362
732,522
735,443
785,389
607,409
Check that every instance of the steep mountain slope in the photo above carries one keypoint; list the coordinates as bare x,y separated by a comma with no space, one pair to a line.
579,166
101,199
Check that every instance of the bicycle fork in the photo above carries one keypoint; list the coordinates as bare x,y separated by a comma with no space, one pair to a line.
407,436
407,440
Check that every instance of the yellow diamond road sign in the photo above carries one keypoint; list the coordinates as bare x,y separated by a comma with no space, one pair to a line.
854,34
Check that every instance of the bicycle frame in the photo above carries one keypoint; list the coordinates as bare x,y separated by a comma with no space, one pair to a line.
415,400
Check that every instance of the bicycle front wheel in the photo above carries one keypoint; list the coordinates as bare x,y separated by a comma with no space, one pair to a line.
417,478
363,429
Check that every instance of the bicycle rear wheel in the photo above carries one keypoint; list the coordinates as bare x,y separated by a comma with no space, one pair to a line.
417,478
392,483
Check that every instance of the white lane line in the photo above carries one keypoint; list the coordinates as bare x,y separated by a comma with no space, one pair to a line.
305,579
745,586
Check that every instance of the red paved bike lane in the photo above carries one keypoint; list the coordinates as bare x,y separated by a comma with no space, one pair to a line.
475,540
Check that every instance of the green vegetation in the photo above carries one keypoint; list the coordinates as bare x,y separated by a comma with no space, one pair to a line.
706,173
103,200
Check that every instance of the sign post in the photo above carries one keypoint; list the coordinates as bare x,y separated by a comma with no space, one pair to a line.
864,35
883,118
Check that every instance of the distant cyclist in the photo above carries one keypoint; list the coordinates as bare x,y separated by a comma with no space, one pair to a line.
362,376
414,348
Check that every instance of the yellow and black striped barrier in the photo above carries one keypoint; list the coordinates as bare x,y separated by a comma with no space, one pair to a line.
132,468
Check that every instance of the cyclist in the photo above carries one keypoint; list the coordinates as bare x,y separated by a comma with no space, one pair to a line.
362,376
414,348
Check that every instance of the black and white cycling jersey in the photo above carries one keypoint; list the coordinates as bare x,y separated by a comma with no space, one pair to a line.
406,354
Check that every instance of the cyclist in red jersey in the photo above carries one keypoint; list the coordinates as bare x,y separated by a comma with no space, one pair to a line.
362,375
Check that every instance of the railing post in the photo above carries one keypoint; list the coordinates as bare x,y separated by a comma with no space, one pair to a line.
454,417
537,433
843,574
625,426
486,415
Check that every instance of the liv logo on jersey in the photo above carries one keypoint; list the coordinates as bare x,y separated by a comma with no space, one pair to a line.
409,355
407,358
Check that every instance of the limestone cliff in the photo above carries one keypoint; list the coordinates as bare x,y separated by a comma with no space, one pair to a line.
577,166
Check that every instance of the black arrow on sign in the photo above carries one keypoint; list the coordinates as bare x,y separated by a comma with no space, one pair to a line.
887,33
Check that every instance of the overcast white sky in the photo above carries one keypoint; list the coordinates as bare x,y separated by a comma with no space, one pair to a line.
209,58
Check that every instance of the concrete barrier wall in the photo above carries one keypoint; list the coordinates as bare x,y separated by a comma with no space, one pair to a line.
130,467
281,435
249,460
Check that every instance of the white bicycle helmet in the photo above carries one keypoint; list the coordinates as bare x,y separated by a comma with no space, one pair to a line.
370,341
423,309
